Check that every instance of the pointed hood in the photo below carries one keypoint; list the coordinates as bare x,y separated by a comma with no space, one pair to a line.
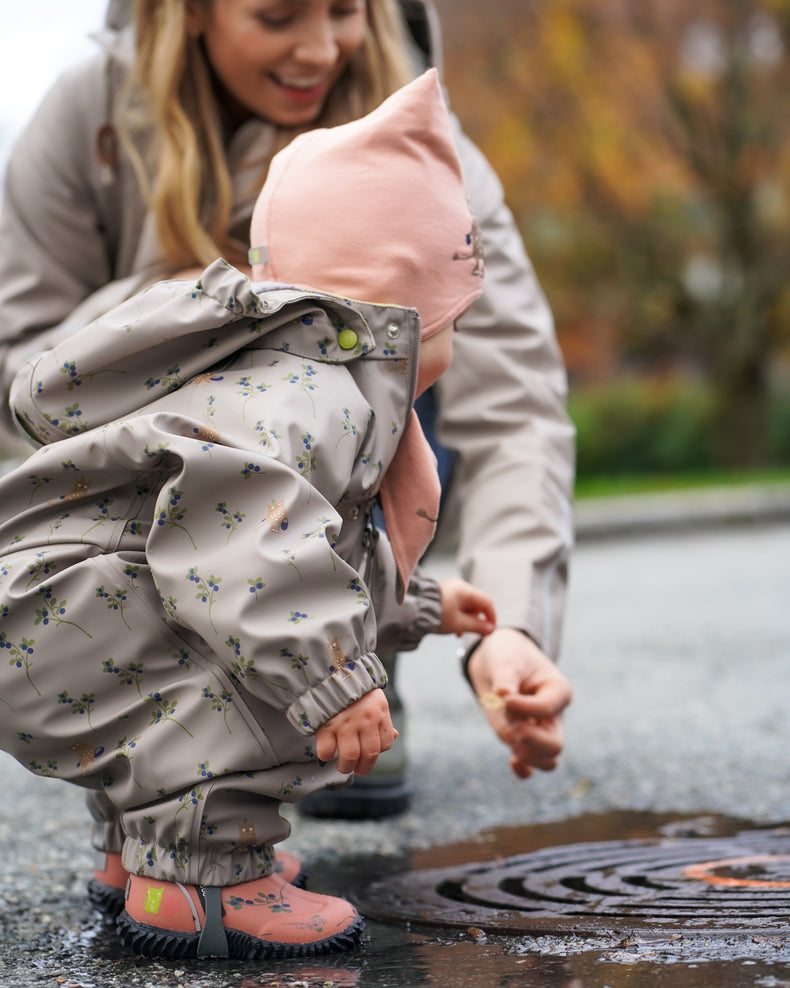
374,210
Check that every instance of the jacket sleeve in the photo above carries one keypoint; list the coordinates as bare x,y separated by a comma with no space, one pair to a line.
146,346
57,249
242,551
501,409
401,625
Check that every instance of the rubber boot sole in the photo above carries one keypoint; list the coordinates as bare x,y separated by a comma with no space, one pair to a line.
148,941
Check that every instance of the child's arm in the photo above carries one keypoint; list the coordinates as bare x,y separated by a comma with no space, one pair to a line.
357,734
464,609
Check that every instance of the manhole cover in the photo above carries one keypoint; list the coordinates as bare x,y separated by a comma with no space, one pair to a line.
705,885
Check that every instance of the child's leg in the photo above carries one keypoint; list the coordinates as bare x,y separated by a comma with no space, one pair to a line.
99,691
118,702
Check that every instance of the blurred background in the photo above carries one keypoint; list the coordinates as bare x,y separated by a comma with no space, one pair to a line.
644,146
645,150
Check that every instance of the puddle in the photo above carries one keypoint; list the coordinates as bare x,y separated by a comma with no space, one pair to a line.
403,955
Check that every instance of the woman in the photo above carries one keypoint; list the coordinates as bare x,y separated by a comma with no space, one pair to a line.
146,162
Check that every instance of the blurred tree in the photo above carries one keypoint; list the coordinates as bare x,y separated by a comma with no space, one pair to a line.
644,149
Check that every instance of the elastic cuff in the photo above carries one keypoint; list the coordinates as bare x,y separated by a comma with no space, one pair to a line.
220,865
344,686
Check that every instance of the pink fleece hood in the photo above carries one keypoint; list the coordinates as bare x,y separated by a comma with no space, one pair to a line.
374,210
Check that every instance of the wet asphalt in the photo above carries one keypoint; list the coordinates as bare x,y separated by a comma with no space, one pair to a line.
677,643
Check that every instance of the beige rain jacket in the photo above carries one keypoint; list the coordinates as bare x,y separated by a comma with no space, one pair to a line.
75,239
190,580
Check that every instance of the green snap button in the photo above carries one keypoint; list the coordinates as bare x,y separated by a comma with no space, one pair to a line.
347,339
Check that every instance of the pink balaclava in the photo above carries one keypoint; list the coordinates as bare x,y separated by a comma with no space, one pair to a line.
376,210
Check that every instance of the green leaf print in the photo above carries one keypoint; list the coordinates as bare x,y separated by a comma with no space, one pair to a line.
356,587
146,857
299,663
81,707
50,770
305,461
206,829
40,569
74,413
76,379
207,590
255,585
241,667
131,675
274,902
52,611
56,526
220,702
116,601
37,483
169,381
173,514
179,852
102,517
290,557
347,427
20,656
164,711
248,390
124,750
287,788
189,800
319,535
267,435
230,519
305,382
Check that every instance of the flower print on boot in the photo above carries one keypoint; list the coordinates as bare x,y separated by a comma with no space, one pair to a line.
259,920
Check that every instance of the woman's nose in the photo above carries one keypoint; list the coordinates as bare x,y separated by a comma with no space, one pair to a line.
318,45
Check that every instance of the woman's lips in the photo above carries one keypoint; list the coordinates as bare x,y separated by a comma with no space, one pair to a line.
298,91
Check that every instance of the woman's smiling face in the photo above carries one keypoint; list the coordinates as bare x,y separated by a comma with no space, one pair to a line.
277,59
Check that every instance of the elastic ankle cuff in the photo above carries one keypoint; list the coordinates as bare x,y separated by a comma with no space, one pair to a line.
218,865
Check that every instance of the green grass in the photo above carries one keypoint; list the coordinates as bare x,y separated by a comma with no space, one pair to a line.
656,483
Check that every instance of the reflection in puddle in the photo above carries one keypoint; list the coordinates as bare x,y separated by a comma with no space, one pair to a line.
395,955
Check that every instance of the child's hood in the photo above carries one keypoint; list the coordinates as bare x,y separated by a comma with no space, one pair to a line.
375,210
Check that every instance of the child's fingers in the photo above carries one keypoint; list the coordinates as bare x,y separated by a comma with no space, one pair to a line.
476,622
484,607
474,601
325,745
349,751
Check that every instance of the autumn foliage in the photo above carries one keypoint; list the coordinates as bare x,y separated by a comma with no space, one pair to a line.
644,146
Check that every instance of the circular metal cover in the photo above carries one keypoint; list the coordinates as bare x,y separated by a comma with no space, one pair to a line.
694,885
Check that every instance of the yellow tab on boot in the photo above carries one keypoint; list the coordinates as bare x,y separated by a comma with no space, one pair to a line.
153,899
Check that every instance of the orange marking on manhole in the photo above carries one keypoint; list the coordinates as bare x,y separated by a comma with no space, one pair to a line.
702,872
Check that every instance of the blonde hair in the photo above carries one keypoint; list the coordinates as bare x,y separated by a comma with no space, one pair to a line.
169,108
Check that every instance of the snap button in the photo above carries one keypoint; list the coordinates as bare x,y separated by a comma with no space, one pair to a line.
354,513
393,331
347,339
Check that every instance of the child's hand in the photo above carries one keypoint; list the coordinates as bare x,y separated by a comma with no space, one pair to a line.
358,734
465,608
